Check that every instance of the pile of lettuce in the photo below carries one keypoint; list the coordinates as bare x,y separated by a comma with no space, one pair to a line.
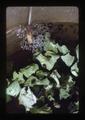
41,86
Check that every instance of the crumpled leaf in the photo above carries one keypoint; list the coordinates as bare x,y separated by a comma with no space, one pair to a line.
43,82
49,53
18,77
15,75
41,110
13,89
50,94
62,49
77,106
49,63
64,91
70,83
68,59
50,97
29,70
40,74
64,94
55,77
8,81
27,98
56,73
48,45
49,87
36,54
31,81
34,81
75,69
56,105
77,52
74,107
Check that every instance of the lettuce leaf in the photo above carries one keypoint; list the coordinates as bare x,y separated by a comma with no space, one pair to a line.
55,77
13,89
68,59
18,76
48,62
64,94
29,70
40,74
62,49
44,82
31,81
27,98
48,45
41,110
77,52
75,69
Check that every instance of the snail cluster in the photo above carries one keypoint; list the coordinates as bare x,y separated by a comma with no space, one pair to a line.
35,40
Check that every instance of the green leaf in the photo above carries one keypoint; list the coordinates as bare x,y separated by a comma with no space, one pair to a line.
49,87
50,97
40,74
44,82
29,70
55,77
56,73
70,83
49,53
49,63
75,69
77,105
68,59
27,98
74,107
36,54
62,49
64,91
49,46
13,89
41,110
21,79
15,75
31,81
67,83
18,77
64,94
56,105
77,52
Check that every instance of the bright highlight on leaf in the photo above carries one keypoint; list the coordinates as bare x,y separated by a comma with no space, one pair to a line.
27,98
